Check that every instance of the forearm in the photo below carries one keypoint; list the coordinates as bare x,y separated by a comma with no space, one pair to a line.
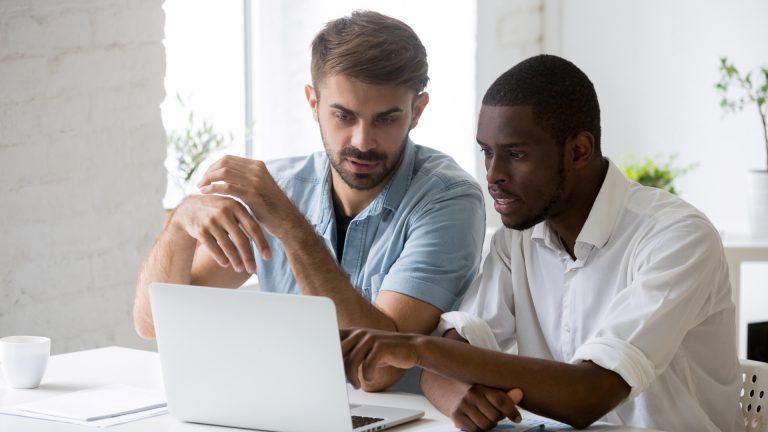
577,394
442,391
317,273
170,260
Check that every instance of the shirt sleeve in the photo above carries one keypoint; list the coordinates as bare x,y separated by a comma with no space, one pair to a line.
678,279
442,252
486,317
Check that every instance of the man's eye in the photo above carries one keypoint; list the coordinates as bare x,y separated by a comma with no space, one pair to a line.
515,155
343,116
386,120
486,152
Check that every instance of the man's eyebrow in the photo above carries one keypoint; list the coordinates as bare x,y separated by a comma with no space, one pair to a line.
381,114
342,108
515,144
389,111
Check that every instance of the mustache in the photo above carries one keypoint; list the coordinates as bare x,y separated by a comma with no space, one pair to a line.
496,190
368,156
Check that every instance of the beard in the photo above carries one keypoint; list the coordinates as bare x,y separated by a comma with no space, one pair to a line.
363,181
552,206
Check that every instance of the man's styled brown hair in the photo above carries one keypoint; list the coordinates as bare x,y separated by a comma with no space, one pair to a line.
371,48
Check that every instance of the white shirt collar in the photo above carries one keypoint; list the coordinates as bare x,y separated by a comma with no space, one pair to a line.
602,218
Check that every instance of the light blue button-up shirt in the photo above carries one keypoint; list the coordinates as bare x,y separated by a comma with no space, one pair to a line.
421,236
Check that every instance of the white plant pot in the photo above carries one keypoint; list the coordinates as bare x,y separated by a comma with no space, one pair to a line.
758,204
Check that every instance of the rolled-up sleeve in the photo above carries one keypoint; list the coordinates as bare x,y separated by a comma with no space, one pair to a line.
621,357
678,276
486,315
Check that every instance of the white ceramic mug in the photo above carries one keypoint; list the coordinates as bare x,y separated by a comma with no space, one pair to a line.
24,360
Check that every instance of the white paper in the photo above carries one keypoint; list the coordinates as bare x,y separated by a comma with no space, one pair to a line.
111,421
535,423
97,405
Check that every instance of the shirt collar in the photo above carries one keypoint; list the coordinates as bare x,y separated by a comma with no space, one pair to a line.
392,194
606,210
602,218
389,198
321,213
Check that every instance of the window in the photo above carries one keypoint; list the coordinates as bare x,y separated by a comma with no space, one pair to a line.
206,60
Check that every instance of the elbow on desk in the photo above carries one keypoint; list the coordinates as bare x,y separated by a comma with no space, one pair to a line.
582,420
601,392
145,329
145,332
584,413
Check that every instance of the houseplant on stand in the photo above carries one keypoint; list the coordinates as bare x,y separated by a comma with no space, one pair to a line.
737,92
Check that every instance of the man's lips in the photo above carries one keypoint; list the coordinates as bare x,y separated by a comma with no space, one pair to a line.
505,203
500,194
361,167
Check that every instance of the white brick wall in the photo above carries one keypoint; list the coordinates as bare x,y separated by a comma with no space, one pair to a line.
81,165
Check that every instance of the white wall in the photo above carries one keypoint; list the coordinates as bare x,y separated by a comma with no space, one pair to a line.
81,174
508,32
654,64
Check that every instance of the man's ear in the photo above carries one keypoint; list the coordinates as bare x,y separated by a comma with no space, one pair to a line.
311,95
419,103
582,148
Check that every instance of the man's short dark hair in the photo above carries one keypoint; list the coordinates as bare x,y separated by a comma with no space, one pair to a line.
371,48
563,99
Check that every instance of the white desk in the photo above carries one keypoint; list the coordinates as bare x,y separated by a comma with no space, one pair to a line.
85,369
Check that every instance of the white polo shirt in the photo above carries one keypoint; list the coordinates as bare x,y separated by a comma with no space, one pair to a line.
647,297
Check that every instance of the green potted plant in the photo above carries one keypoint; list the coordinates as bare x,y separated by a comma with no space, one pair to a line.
658,172
188,149
737,92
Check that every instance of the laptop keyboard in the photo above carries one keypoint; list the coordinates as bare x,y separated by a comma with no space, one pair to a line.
359,421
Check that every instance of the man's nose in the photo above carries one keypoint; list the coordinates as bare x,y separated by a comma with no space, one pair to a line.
496,170
361,137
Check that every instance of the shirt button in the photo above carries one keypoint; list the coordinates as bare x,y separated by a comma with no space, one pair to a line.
567,328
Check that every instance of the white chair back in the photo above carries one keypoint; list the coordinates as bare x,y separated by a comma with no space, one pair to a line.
754,395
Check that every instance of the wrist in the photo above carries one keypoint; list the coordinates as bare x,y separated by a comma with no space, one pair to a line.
176,234
421,346
294,231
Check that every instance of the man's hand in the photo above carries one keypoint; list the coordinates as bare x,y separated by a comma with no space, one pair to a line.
480,408
365,350
250,181
223,226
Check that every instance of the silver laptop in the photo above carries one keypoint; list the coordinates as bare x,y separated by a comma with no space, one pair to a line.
257,360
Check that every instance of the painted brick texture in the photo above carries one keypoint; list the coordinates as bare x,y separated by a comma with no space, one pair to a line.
81,165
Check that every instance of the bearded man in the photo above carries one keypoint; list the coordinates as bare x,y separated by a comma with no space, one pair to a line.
391,231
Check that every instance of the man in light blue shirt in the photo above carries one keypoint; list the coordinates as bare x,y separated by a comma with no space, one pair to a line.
390,231
419,237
